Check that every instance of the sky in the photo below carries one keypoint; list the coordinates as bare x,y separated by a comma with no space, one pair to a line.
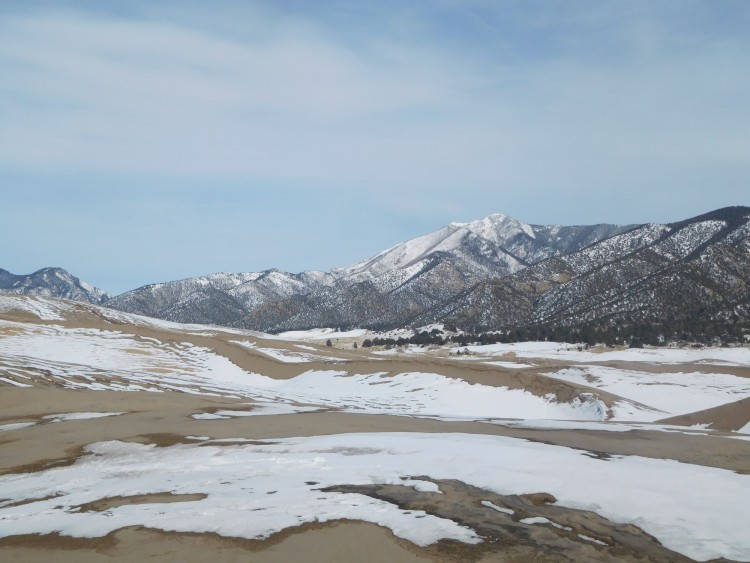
150,141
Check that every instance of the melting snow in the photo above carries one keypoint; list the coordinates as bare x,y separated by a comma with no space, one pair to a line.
666,393
739,356
321,334
510,365
43,309
258,409
700,512
15,426
498,508
288,356
593,540
96,359
79,416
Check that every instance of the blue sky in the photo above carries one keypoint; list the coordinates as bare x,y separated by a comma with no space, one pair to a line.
144,142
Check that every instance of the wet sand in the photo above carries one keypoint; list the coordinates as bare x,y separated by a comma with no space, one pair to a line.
316,543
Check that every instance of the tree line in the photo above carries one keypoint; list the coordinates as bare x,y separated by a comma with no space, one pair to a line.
653,334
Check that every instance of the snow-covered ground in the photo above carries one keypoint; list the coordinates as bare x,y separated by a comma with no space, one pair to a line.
609,426
668,394
252,490
43,309
15,426
49,309
510,365
105,359
255,490
287,356
258,408
738,356
321,334
62,417
96,359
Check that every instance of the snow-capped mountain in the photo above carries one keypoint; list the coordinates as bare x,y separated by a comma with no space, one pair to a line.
494,273
495,245
223,298
697,270
386,290
52,282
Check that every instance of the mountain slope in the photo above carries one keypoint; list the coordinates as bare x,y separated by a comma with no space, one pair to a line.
223,298
694,270
52,282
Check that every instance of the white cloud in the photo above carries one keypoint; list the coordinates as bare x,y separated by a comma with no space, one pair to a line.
153,96
294,102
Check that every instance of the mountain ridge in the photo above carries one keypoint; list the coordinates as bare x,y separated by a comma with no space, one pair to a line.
52,282
415,273
495,273
696,269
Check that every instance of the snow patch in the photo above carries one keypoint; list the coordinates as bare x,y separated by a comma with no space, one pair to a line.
658,395
698,511
79,416
15,426
493,506
43,309
739,356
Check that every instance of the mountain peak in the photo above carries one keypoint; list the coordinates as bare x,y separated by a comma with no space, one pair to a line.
731,215
498,228
52,282
491,218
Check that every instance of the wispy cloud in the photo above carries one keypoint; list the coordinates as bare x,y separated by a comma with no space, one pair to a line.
294,101
148,96
553,112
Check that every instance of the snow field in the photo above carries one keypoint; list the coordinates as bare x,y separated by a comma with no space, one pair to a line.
79,416
15,426
43,309
739,356
258,409
288,356
670,394
127,363
255,490
321,334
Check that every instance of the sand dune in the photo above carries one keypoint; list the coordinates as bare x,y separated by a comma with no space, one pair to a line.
125,437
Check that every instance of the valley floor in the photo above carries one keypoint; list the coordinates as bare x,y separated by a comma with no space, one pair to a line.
124,438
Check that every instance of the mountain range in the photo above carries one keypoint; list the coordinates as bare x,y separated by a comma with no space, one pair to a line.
495,273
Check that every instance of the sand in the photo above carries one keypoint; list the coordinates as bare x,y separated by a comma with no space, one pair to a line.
732,416
165,419
316,543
